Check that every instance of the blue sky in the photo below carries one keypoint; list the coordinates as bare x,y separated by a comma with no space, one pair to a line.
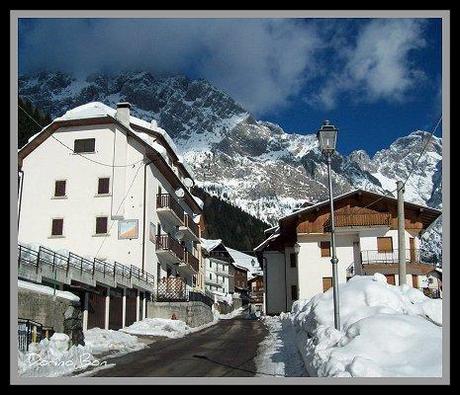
376,79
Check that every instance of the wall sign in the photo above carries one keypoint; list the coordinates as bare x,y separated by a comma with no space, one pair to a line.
128,229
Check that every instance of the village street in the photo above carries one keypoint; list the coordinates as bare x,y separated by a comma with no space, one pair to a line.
225,349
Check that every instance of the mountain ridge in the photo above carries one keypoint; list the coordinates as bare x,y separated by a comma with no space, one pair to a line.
253,164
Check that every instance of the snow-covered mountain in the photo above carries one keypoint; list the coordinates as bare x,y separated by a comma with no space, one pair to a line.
252,164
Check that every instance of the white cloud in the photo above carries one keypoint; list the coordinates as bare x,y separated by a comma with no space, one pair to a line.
262,63
377,65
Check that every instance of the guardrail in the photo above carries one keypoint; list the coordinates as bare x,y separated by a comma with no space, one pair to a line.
189,223
57,261
175,289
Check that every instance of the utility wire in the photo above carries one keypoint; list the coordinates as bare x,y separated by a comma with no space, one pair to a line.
121,203
77,153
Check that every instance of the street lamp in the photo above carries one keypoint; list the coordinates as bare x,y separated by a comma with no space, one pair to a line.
327,137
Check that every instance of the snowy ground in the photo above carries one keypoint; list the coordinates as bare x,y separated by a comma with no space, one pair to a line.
386,331
278,354
56,357
172,329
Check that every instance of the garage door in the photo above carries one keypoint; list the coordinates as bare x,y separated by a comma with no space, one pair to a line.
96,309
115,312
130,306
391,279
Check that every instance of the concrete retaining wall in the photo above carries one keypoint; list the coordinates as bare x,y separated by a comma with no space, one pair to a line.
62,314
192,313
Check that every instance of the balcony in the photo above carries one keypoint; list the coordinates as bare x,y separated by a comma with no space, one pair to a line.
169,249
190,263
189,230
169,210
387,262
365,220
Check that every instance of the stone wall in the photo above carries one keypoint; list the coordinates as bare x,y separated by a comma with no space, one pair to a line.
64,315
192,313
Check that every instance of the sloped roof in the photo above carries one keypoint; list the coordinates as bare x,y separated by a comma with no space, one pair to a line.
209,244
243,261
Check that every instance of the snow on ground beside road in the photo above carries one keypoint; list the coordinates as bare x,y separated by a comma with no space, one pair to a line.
56,357
386,331
172,329
278,354
228,316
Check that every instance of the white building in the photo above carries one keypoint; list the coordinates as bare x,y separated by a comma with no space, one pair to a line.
296,254
104,184
219,272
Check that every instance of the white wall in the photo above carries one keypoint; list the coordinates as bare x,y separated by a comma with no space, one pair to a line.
275,287
50,161
312,267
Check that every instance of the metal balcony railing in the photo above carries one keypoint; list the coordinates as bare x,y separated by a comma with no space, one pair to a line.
389,257
165,200
166,242
56,261
189,223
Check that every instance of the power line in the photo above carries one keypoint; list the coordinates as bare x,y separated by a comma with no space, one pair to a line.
121,203
77,153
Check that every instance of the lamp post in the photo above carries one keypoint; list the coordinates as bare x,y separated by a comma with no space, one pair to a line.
327,136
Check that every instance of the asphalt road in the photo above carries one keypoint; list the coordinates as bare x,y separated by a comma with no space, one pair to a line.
226,349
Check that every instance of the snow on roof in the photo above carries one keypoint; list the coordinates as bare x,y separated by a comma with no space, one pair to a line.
266,241
44,289
199,201
209,244
244,261
98,109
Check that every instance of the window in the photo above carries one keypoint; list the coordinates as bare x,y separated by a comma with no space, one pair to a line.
59,188
103,186
293,259
210,276
57,226
385,244
84,145
101,225
294,292
325,248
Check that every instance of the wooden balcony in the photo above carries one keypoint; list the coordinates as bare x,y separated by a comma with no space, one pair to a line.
169,249
189,230
358,220
169,210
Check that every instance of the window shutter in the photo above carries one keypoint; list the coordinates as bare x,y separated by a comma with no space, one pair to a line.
57,226
103,186
59,188
101,225
325,248
384,244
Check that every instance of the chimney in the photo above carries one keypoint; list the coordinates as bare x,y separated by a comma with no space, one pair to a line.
123,112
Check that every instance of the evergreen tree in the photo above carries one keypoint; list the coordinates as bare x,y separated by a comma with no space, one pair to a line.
26,126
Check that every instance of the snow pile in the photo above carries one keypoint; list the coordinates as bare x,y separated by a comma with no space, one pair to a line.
228,316
386,330
158,327
102,341
53,357
57,357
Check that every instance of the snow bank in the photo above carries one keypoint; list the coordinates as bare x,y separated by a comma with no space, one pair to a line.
228,316
172,329
386,331
57,357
